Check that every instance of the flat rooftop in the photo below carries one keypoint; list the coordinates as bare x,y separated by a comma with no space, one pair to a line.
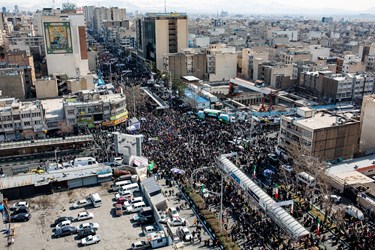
58,175
323,120
54,108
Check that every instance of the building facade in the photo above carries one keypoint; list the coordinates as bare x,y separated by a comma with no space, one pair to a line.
89,108
324,135
367,143
161,33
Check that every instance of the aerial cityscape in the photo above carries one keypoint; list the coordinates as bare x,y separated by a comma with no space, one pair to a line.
187,124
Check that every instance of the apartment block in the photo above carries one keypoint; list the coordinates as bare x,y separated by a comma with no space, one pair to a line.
21,119
221,62
192,62
323,134
367,143
89,108
161,33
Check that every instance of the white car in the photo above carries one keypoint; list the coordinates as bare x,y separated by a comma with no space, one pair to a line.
150,229
173,212
163,218
84,216
354,212
91,239
177,221
140,245
63,224
82,203
126,195
20,204
334,198
287,168
90,225
128,203
184,234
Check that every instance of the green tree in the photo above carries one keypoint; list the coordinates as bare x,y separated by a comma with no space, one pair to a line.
179,85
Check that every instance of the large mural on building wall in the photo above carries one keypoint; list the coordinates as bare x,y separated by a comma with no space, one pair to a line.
58,37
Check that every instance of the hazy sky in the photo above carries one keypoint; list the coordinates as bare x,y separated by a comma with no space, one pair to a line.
205,5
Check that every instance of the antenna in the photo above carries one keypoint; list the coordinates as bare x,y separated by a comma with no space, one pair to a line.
53,4
165,6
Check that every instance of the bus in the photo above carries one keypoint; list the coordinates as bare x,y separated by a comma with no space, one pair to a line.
217,114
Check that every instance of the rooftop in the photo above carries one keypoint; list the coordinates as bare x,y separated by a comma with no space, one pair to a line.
324,120
53,108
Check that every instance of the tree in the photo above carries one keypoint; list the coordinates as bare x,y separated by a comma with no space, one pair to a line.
134,96
179,85
64,128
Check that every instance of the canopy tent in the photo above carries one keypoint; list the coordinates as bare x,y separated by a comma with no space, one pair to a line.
177,171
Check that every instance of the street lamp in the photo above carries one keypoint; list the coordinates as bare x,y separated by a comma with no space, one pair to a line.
56,150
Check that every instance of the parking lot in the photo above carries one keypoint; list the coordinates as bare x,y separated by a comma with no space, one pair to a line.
114,231
37,233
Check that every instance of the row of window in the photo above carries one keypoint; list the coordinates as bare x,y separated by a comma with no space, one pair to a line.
18,124
17,117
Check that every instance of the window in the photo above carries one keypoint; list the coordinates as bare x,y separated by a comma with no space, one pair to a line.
16,117
26,116
8,125
37,122
26,123
36,114
71,112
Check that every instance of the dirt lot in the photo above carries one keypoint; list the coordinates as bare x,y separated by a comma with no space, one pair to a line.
36,234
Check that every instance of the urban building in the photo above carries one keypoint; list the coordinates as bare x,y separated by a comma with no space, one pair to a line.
276,75
12,83
161,33
367,142
221,62
46,87
251,59
350,64
191,62
21,119
103,14
318,51
294,56
89,108
324,135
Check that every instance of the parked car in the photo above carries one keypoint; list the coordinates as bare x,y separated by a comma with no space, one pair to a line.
84,216
20,204
184,233
287,168
20,210
124,196
86,232
21,217
354,212
118,209
64,224
65,231
334,198
61,219
177,221
163,218
82,203
91,239
88,226
145,220
132,201
150,229
139,245
173,212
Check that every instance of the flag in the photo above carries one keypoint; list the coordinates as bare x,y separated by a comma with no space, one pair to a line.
318,227
277,192
255,171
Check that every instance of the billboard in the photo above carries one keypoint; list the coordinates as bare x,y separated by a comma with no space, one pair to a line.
58,37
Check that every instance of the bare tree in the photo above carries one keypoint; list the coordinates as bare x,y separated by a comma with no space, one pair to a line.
64,128
135,96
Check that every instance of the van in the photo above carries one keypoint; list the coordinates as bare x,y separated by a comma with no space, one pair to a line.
96,200
136,207
132,201
306,179
84,161
131,188
116,186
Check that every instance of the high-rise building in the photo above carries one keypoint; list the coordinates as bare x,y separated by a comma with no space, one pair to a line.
103,14
367,142
65,41
159,34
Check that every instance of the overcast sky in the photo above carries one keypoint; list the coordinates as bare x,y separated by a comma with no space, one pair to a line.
211,6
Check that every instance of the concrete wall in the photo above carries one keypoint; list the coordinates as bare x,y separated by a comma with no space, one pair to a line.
182,35
225,67
367,142
46,88
162,41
